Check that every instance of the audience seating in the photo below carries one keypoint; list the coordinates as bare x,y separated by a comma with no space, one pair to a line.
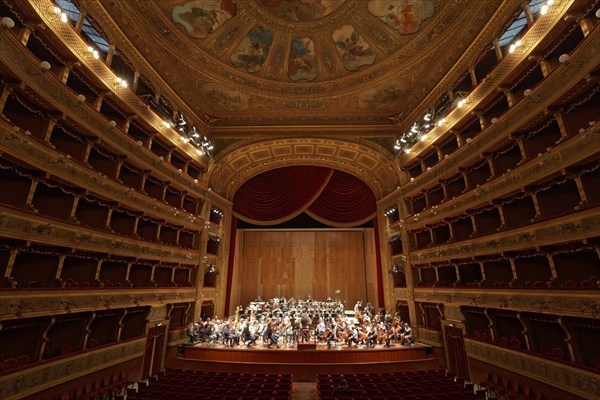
190,385
409,385
502,387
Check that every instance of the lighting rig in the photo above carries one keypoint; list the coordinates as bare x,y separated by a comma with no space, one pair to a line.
188,132
431,117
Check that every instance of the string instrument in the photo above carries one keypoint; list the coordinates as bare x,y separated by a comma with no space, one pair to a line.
325,334
380,333
346,334
365,333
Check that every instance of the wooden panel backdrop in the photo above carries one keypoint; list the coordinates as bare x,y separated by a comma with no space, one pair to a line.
298,263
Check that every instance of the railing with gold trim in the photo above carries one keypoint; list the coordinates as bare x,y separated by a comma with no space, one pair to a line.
561,375
23,383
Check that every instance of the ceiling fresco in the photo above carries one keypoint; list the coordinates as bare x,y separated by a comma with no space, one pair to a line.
301,10
301,62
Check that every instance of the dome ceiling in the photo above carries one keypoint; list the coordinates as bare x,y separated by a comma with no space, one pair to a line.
301,62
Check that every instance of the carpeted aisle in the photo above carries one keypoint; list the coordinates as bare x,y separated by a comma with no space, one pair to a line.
304,391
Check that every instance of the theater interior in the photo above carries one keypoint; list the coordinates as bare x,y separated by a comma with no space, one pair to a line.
163,161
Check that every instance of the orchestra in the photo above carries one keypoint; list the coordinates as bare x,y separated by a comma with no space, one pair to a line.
282,322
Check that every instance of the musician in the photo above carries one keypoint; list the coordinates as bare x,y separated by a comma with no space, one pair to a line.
353,338
357,307
192,332
320,329
407,335
272,335
372,335
228,334
329,335
249,333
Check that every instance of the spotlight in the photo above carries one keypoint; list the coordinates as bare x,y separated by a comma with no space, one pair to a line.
113,123
95,54
45,65
564,58
598,13
544,9
407,151
63,18
199,152
512,48
528,92
494,120
166,124
423,137
80,98
441,122
7,22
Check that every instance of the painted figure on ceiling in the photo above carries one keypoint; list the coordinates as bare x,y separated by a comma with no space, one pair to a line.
355,51
251,54
202,17
405,16
302,64
301,10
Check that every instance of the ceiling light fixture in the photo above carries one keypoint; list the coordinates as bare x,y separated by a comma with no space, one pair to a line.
7,22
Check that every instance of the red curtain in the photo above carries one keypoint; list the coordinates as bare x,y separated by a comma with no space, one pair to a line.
345,200
332,197
457,357
280,194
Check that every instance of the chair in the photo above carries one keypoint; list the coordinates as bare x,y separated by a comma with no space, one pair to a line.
515,342
9,363
546,350
557,353
22,360
65,349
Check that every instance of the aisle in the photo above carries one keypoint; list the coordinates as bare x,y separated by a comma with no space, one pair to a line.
304,391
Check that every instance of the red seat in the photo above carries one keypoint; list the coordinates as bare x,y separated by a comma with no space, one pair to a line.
22,360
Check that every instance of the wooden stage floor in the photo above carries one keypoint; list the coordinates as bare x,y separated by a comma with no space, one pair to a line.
304,364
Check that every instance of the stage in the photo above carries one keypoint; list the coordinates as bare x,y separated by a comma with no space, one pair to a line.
305,364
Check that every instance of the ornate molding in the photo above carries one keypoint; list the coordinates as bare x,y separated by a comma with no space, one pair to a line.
33,303
562,302
21,384
489,85
36,154
234,167
197,58
569,152
19,60
546,93
560,375
575,226
430,336
33,227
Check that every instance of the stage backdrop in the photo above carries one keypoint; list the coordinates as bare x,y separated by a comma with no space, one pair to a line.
302,262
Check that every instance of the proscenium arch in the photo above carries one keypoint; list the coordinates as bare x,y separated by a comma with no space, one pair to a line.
367,161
